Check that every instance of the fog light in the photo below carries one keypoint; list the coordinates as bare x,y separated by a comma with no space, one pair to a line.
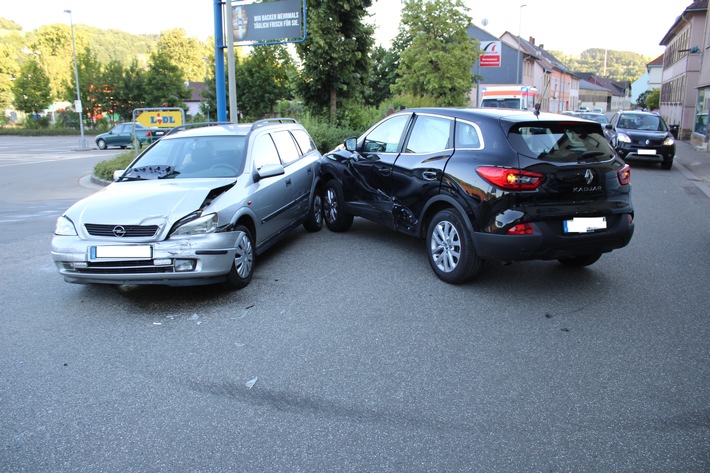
184,265
162,262
80,264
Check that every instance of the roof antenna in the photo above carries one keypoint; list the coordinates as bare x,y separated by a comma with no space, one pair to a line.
537,109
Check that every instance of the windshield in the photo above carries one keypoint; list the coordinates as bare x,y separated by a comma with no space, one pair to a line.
190,157
642,122
561,141
501,103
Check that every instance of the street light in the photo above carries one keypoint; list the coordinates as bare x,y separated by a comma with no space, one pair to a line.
518,80
77,105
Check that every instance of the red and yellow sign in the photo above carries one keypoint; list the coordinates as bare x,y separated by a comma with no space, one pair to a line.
160,118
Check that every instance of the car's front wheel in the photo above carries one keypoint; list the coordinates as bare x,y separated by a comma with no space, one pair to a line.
667,164
314,220
450,248
101,144
336,218
243,264
580,261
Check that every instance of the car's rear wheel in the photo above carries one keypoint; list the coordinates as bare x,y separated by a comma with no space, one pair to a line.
314,221
580,261
101,144
450,248
336,218
243,264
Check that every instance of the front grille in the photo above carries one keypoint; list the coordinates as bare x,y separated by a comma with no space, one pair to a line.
122,231
125,267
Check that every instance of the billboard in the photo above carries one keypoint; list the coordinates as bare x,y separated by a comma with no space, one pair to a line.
490,54
272,21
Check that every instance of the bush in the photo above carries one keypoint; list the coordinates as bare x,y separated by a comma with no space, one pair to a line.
36,123
104,170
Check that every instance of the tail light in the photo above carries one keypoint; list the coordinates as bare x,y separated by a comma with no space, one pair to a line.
521,229
147,133
510,179
624,175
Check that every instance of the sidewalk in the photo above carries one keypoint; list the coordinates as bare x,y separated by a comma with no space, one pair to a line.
694,164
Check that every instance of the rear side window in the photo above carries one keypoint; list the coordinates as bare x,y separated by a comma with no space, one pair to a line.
304,141
560,141
467,136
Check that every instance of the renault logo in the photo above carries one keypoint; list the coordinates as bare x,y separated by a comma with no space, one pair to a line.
119,231
588,177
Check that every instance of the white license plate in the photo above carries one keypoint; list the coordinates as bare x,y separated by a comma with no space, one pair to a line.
646,151
122,251
585,224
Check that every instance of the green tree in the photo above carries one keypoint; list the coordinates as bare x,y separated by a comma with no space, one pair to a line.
31,88
130,92
89,84
184,52
653,99
263,80
616,65
335,53
165,83
53,45
437,63
8,71
383,74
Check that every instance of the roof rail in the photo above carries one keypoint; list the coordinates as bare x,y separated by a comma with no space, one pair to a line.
268,121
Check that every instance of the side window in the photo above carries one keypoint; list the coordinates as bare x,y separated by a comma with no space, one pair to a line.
264,151
430,134
286,147
304,141
385,138
467,136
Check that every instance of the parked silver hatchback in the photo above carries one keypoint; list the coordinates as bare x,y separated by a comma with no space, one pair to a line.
195,208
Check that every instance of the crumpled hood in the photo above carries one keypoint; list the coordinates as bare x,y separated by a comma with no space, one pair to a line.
150,202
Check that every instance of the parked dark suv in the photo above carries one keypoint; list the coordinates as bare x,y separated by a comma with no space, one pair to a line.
642,136
484,184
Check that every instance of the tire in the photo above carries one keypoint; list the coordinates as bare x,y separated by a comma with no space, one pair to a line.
243,263
314,220
101,144
580,261
450,248
336,218
667,164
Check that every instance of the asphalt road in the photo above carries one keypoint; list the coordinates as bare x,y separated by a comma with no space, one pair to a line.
346,353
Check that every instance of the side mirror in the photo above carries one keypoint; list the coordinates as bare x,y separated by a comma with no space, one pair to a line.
350,144
608,126
269,170
118,173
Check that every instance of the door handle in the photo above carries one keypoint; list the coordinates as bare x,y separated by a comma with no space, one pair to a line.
288,182
384,170
429,175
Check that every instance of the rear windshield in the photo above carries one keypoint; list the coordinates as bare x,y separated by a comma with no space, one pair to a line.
560,141
190,157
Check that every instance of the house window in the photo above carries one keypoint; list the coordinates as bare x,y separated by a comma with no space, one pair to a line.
701,112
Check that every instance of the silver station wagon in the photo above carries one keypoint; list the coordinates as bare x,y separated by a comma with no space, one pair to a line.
195,208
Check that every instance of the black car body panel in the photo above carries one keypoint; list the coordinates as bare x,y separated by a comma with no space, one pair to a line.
419,161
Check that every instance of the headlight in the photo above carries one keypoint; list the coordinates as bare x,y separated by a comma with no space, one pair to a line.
623,138
64,227
200,226
668,141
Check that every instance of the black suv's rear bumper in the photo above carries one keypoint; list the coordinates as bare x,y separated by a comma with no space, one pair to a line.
548,242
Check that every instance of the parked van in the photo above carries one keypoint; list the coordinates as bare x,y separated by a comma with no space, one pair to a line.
519,97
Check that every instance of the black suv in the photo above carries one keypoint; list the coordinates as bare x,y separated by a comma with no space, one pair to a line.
484,184
642,136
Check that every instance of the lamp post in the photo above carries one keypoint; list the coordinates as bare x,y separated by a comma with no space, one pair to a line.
77,105
207,77
518,80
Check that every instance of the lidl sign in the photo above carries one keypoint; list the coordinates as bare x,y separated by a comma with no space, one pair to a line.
160,118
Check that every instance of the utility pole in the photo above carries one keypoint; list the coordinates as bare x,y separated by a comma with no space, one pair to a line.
77,104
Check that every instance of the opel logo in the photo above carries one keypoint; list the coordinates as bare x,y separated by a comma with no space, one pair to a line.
588,177
119,231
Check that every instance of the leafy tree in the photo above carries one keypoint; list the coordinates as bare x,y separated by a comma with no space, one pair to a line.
335,53
616,65
53,45
8,70
164,83
31,88
9,25
438,61
653,99
263,80
130,91
383,74
90,86
184,52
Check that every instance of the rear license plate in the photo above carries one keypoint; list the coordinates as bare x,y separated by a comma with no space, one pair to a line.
122,251
646,151
585,224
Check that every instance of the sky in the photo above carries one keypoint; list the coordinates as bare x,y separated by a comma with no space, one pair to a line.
569,26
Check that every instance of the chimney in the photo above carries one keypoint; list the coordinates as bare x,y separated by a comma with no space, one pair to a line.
542,46
532,41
